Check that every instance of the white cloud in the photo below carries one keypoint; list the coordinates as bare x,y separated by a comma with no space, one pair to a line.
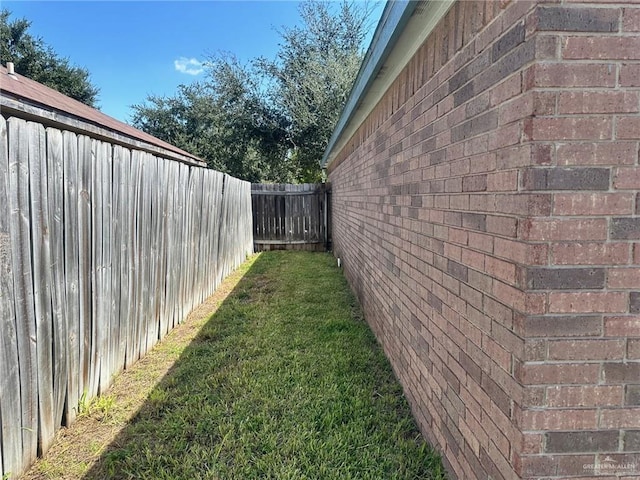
190,66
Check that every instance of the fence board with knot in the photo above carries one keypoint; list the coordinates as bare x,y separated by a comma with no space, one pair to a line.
287,216
103,249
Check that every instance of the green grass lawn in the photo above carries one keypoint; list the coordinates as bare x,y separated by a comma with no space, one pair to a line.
284,381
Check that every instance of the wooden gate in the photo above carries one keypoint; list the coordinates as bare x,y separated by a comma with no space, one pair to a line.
289,216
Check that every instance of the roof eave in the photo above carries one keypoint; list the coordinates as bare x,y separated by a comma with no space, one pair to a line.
399,26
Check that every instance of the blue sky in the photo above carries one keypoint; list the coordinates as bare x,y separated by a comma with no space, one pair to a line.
133,49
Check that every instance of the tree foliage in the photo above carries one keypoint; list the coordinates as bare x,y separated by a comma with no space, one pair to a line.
223,120
269,120
36,60
313,73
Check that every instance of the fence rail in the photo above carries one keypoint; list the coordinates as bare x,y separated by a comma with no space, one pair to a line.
103,249
290,216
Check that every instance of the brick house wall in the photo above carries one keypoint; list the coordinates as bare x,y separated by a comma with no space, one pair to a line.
487,215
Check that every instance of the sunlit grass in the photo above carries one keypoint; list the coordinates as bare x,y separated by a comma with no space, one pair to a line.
284,381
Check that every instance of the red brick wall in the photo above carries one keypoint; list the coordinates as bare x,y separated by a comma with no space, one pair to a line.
487,216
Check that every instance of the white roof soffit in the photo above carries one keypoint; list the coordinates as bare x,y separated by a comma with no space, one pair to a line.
403,28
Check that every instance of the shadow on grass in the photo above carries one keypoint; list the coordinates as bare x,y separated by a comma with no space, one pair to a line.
285,380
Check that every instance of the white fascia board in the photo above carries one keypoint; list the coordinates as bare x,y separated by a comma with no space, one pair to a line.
403,28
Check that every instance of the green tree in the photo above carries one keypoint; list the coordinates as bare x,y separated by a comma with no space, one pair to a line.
269,120
36,60
224,120
313,75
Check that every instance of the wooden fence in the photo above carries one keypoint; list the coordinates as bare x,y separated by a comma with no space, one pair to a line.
290,216
103,249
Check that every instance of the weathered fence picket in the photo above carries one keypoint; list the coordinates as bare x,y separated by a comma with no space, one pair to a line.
41,255
85,264
103,249
10,407
71,286
23,282
55,185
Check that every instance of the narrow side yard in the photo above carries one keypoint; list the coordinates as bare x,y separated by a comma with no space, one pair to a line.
275,376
